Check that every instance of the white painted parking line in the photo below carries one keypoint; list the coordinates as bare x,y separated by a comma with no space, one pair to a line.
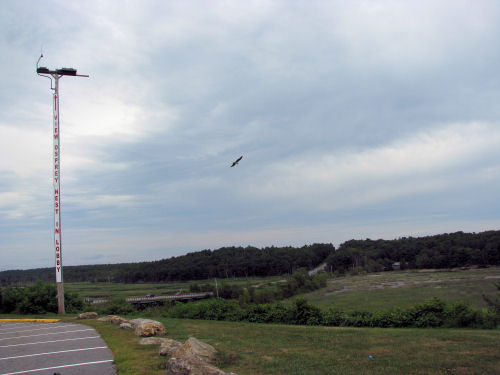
32,349
36,329
58,367
46,334
11,325
46,342
49,353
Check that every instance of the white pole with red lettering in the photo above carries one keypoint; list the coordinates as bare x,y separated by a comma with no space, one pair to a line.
56,151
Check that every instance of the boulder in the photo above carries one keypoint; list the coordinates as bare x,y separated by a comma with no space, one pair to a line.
113,319
152,340
147,327
126,326
195,348
117,320
192,366
87,315
169,347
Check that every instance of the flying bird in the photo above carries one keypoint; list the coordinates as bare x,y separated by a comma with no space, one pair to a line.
236,161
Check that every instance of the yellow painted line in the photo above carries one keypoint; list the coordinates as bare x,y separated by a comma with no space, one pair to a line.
29,320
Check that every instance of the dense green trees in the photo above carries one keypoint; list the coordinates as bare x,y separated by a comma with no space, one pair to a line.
442,251
222,263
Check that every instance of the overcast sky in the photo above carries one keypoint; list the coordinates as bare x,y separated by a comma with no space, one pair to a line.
355,119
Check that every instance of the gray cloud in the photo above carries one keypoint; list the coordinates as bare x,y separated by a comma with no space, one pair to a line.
355,119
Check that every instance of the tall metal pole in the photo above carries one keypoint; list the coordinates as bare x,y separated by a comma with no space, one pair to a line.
56,152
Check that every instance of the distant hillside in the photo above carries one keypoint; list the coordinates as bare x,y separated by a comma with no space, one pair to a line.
441,251
201,265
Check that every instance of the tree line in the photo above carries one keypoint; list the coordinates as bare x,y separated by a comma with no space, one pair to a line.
226,262
440,251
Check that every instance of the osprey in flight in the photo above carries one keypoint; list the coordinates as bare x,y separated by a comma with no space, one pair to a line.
236,161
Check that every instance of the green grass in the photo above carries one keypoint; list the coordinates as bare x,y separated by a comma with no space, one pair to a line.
383,291
258,349
87,289
101,289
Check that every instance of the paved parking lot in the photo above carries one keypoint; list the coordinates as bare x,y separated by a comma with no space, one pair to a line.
48,348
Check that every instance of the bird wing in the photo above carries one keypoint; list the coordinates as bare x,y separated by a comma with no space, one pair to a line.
236,161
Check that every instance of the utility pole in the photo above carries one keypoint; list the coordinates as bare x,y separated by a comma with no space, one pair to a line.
56,154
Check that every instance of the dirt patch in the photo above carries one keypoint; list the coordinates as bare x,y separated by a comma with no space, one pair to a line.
459,371
330,292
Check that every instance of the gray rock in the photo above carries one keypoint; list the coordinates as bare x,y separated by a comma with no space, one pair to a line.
152,340
195,348
87,315
191,366
169,347
115,319
147,327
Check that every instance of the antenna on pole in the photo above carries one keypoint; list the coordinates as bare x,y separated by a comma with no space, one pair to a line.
39,70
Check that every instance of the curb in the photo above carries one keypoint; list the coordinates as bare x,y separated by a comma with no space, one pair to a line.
29,320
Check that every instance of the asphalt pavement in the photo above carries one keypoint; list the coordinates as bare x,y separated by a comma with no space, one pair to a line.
48,348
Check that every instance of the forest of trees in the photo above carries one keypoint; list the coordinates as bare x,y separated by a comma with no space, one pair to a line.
440,251
222,263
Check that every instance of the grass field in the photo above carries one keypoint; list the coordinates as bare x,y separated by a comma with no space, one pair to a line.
386,290
112,290
86,289
259,349
380,291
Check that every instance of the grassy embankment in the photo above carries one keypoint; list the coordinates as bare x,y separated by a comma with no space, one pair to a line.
261,349
258,349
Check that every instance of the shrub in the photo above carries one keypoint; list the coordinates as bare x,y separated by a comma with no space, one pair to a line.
11,297
72,302
306,314
428,314
118,306
460,315
39,298
334,317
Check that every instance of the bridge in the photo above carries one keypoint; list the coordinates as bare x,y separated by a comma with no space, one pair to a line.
142,302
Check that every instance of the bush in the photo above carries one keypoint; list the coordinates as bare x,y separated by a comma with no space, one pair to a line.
429,314
306,314
432,313
10,299
460,315
334,317
72,302
39,298
118,306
